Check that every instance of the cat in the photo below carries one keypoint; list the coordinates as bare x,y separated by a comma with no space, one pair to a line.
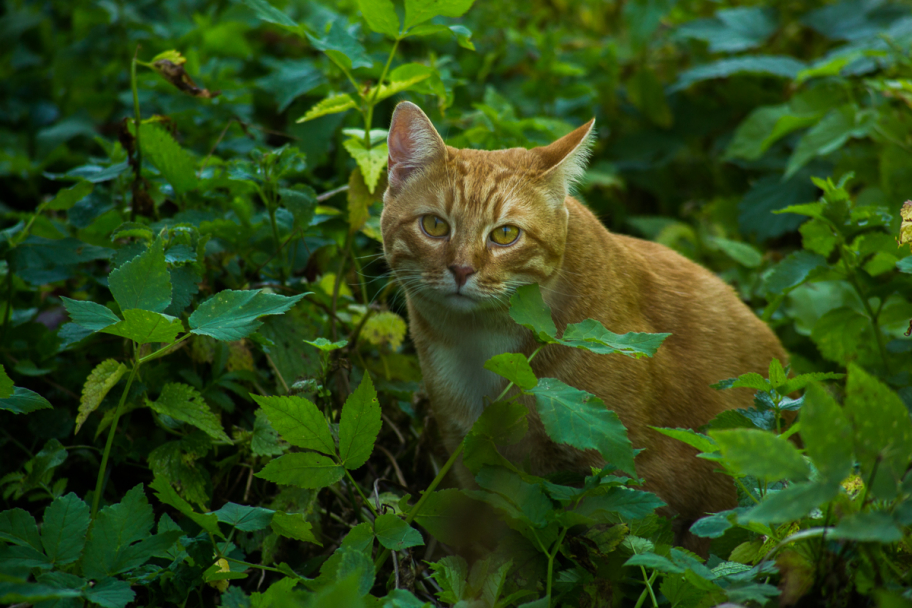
463,228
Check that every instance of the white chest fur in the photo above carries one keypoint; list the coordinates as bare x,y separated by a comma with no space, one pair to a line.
455,373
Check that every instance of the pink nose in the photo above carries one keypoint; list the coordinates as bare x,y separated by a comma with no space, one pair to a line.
461,273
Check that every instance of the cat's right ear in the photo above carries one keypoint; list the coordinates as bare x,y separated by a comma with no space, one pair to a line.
413,143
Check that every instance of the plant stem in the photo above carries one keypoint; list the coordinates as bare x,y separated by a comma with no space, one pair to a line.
649,580
336,285
110,441
510,385
746,491
137,149
161,352
358,489
551,555
369,117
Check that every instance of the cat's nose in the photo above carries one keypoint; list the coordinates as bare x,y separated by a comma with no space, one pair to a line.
461,273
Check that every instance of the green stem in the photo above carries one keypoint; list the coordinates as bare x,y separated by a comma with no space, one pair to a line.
649,580
161,352
336,285
8,313
746,491
137,148
551,555
369,117
358,489
283,261
510,385
110,442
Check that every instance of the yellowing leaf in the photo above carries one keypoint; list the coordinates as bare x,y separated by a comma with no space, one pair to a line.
170,66
905,229
385,328
359,201
331,105
371,162
102,379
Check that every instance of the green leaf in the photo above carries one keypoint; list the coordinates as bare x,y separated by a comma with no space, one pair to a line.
343,48
299,422
294,526
301,201
359,425
690,437
401,79
17,561
165,493
100,381
89,314
629,504
325,345
505,422
529,310
184,403
761,454
394,534
243,517
177,166
792,271
868,526
18,526
330,105
776,373
883,430
744,254
6,384
749,141
592,336
514,367
799,382
63,532
264,440
732,30
145,327
110,593
231,315
267,12
842,334
712,526
419,11
66,198
827,136
24,401
655,562
771,65
52,455
143,282
116,527
826,433
583,420
371,162
12,593
303,469
381,16
507,492
443,515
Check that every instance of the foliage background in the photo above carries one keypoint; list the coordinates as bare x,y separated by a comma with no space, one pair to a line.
710,116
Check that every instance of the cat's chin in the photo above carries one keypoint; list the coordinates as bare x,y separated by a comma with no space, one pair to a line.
461,302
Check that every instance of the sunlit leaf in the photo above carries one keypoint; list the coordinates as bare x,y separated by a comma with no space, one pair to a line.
102,379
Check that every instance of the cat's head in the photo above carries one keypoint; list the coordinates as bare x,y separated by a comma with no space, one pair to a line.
462,229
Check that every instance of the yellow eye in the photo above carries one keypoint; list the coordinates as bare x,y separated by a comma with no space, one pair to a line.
505,235
434,226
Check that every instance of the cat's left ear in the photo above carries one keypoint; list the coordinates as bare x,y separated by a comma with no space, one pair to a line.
564,161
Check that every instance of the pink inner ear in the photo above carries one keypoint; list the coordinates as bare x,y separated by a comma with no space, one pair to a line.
401,146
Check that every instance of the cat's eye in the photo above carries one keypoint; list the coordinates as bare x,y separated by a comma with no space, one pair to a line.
505,235
434,226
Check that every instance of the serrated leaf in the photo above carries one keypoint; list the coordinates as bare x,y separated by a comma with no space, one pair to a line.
842,334
827,434
371,161
528,308
110,593
133,230
359,201
143,282
401,79
6,384
385,328
515,368
303,469
12,593
759,453
145,327
712,526
301,201
507,492
166,494
299,422
419,11
243,517
799,382
505,422
325,345
231,315
18,526
116,527
264,440
394,534
655,562
89,314
178,463
828,135
267,12
692,438
330,105
629,504
791,272
294,526
184,403
52,455
592,336
868,526
24,401
583,420
776,373
343,48
177,166
63,531
68,197
359,424
380,16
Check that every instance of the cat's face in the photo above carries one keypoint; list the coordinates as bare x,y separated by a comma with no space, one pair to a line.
462,229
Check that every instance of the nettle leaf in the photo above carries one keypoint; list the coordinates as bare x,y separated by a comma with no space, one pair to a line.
692,438
359,424
294,526
419,11
883,430
826,433
801,381
231,315
184,403
776,373
18,526
267,12
89,315
583,420
401,79
115,529
67,197
528,308
144,327
749,380
110,593
515,368
303,469
381,16
371,161
343,48
6,384
63,532
791,272
177,166
330,105
592,336
759,453
24,401
628,503
143,282
507,492
165,493
243,517
100,381
394,534
299,422
325,345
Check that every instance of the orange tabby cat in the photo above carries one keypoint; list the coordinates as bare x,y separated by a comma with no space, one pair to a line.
462,229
